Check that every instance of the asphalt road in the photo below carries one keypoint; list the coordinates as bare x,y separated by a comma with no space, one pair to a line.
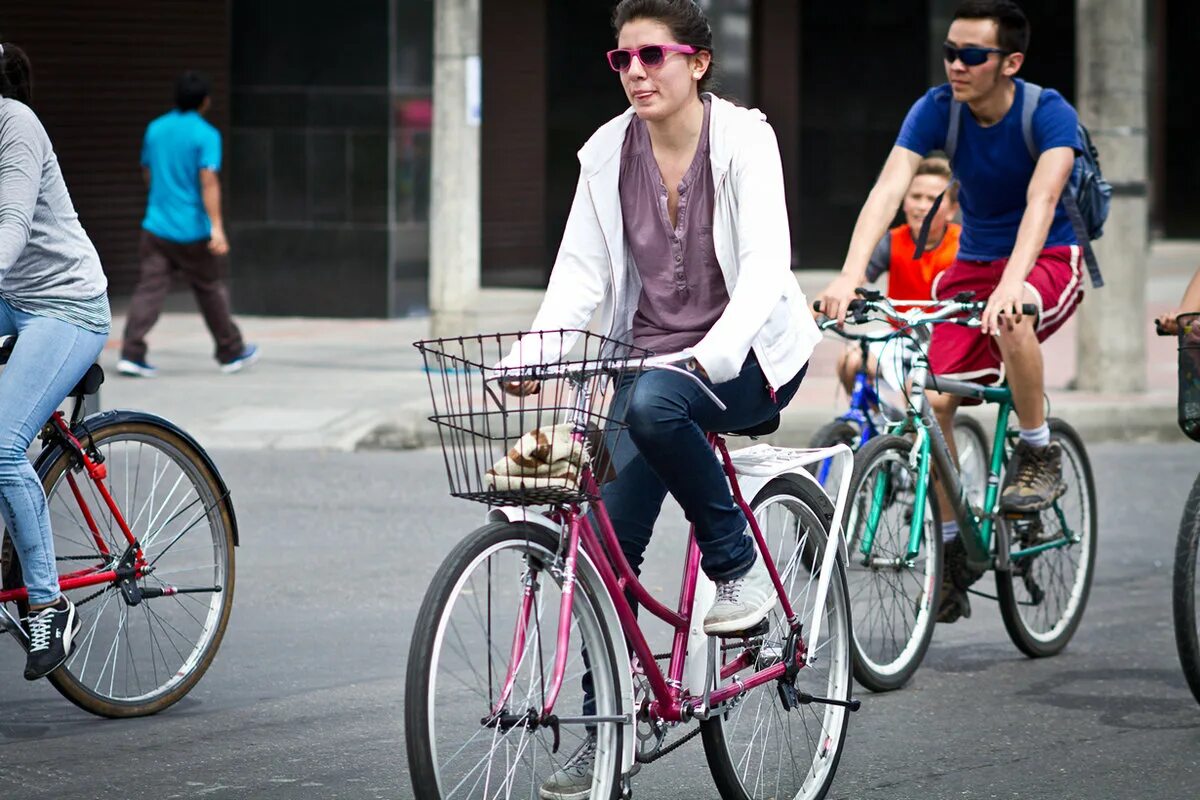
305,699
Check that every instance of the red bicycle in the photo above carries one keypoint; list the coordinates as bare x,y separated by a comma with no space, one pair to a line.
153,584
525,606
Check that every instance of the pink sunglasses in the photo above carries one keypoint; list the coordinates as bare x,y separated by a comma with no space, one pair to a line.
651,55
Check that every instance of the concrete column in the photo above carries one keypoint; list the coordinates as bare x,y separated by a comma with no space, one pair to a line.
1111,73
454,219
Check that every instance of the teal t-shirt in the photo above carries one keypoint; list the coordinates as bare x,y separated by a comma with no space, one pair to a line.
175,148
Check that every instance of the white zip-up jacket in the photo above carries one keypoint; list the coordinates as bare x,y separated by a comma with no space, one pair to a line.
767,311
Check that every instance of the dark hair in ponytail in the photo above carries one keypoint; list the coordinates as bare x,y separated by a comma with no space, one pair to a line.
16,74
685,18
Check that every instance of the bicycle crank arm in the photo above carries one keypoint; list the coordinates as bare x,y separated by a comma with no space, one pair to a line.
167,591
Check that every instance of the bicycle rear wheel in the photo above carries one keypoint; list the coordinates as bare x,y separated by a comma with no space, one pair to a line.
1186,590
759,750
892,597
1043,595
460,658
131,659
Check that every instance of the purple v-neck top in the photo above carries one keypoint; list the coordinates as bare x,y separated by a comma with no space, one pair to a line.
683,291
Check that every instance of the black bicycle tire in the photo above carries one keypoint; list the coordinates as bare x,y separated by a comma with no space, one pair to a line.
1187,636
712,733
863,672
416,687
837,431
1007,598
52,468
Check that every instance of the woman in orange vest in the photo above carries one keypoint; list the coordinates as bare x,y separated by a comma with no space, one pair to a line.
909,278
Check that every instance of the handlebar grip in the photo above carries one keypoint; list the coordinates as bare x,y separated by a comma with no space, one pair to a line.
1029,309
1160,330
854,306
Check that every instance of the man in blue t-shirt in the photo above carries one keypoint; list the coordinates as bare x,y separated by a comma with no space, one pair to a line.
1017,246
183,230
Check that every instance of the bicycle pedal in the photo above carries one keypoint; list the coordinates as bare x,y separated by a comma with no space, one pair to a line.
758,630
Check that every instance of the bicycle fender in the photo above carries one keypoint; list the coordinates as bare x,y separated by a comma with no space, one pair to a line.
609,618
95,422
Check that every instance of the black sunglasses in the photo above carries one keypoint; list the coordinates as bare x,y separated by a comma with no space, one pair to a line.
970,56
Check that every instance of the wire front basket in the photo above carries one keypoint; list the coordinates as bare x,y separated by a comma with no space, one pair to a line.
529,418
1189,375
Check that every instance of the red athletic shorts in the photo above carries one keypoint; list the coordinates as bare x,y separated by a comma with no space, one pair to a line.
1056,282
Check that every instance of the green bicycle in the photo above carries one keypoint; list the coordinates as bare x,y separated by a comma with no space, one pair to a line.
1043,561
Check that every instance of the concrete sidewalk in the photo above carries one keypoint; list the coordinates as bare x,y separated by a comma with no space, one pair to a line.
347,384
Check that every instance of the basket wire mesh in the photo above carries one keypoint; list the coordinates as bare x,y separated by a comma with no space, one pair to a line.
546,447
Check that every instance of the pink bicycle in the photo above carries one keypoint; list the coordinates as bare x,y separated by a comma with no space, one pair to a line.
524,606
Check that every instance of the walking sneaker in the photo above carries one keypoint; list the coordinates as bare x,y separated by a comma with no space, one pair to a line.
136,369
957,577
1034,478
51,633
574,780
742,602
249,356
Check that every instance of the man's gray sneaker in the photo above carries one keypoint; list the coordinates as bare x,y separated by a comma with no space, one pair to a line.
1034,478
574,780
742,602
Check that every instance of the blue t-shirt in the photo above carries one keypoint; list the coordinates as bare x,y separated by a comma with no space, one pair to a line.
993,166
176,147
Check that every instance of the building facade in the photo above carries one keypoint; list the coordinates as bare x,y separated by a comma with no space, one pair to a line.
327,109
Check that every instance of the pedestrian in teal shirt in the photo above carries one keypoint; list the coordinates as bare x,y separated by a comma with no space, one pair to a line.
183,230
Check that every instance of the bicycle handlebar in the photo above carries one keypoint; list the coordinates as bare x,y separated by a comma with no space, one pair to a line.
670,362
886,308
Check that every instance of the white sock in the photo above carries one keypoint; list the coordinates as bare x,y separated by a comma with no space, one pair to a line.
1036,437
949,531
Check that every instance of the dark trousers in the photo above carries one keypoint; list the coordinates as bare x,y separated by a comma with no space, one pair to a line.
665,449
159,259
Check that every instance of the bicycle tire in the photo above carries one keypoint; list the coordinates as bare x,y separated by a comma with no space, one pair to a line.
1015,587
837,431
923,577
435,630
722,746
170,446
1185,589
973,458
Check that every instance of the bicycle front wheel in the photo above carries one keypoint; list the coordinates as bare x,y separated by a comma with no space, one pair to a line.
1186,590
134,657
490,620
891,594
1043,595
759,749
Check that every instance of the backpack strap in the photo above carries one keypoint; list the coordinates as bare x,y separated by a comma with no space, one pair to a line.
951,146
1033,93
1081,235
952,128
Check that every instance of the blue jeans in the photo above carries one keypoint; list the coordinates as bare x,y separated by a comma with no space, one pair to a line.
49,359
665,450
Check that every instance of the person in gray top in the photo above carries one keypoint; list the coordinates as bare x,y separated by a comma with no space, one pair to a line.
53,298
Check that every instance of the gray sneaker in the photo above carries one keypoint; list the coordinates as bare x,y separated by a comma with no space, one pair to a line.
573,781
742,602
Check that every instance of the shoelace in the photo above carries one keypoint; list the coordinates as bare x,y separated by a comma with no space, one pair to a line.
581,759
727,591
1028,472
40,628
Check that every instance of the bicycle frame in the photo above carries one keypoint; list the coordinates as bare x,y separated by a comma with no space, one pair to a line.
976,528
132,563
671,703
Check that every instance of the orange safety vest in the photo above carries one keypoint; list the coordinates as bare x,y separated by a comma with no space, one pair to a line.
913,280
